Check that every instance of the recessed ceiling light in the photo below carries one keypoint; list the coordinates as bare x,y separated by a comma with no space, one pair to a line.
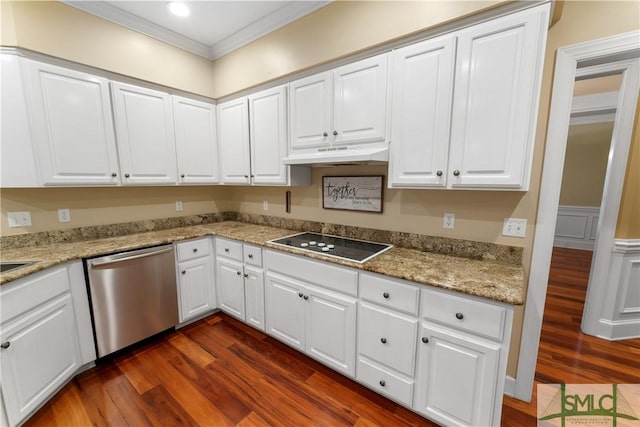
178,8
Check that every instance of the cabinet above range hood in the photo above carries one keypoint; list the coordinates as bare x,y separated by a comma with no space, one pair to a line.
340,155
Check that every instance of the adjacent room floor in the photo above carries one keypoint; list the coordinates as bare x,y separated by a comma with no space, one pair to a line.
219,371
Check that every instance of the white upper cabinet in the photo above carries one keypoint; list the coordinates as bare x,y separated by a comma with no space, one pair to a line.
268,135
310,111
145,135
495,104
18,166
344,106
196,141
421,113
71,126
233,137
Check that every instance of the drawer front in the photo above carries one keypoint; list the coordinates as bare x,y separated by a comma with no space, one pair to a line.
252,255
193,249
384,382
464,313
388,337
24,294
320,273
389,293
229,248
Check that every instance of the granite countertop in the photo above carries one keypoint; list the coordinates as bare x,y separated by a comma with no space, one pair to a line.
484,278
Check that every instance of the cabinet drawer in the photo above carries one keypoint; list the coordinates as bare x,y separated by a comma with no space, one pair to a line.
384,382
252,255
389,293
193,249
229,248
25,294
464,313
387,337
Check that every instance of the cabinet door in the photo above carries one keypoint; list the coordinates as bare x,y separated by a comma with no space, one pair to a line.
495,104
284,310
195,282
233,139
457,378
421,113
254,296
360,101
72,127
230,287
196,141
330,322
17,161
43,354
145,132
268,131
311,112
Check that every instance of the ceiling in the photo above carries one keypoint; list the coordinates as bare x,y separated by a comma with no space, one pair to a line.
214,27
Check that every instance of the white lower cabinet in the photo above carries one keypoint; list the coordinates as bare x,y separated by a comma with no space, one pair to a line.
43,345
195,278
240,281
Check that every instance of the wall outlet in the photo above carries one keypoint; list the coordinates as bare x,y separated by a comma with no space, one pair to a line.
514,227
265,205
449,220
179,205
19,219
64,215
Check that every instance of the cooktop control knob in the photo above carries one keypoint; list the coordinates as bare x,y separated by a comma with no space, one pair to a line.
304,245
325,249
312,243
321,244
331,246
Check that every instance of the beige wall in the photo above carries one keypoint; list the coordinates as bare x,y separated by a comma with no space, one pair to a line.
99,206
62,31
585,164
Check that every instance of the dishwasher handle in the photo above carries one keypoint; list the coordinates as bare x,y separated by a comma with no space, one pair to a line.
129,256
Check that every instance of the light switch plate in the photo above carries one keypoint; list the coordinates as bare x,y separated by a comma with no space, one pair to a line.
179,206
19,219
265,205
514,227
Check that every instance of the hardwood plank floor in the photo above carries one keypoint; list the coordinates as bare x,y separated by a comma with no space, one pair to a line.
220,372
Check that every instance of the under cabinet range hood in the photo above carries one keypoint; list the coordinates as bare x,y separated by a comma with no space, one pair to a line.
340,155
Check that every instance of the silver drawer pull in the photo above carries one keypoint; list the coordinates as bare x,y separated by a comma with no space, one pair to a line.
459,316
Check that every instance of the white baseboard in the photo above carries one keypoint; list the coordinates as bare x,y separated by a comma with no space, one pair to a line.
616,330
561,242
509,386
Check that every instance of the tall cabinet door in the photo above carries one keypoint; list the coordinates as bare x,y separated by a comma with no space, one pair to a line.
284,310
311,109
498,74
421,113
145,133
72,126
233,137
331,329
268,135
230,286
456,379
360,101
254,296
196,141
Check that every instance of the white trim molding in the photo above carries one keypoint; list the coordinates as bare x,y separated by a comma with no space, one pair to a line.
572,61
576,227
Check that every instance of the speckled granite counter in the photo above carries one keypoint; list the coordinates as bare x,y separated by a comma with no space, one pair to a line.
485,278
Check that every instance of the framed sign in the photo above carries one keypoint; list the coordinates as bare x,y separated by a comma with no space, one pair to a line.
353,193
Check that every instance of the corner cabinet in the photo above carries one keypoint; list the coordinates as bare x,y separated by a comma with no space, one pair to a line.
488,100
253,141
341,107
145,135
71,125
196,141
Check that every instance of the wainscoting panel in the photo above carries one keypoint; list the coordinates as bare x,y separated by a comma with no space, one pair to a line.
576,227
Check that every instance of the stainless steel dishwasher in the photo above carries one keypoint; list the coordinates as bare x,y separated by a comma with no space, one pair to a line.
133,296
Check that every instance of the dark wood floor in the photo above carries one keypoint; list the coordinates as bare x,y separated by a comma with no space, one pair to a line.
220,372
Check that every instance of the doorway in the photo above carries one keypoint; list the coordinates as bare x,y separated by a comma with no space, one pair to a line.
612,55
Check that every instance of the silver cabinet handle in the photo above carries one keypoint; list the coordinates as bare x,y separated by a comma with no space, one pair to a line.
5,345
238,273
456,173
325,134
246,276
439,173
226,250
250,256
459,316
131,256
335,132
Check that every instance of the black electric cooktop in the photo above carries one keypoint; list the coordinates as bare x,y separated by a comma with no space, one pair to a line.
333,246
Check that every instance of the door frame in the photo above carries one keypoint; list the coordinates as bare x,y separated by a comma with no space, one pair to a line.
569,60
